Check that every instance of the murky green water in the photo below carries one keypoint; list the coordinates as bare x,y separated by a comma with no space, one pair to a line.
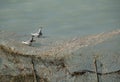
61,18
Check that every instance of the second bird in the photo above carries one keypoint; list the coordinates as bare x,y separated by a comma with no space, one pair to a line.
38,34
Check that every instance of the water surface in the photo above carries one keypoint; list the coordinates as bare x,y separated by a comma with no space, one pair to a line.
61,18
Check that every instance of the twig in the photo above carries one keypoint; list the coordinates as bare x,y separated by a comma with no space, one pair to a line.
96,70
34,71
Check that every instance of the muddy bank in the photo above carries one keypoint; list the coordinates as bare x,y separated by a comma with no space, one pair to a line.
61,61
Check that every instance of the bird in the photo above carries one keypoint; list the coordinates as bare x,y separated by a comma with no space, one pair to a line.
38,34
29,42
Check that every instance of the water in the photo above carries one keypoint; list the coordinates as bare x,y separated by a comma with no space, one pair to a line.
61,18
